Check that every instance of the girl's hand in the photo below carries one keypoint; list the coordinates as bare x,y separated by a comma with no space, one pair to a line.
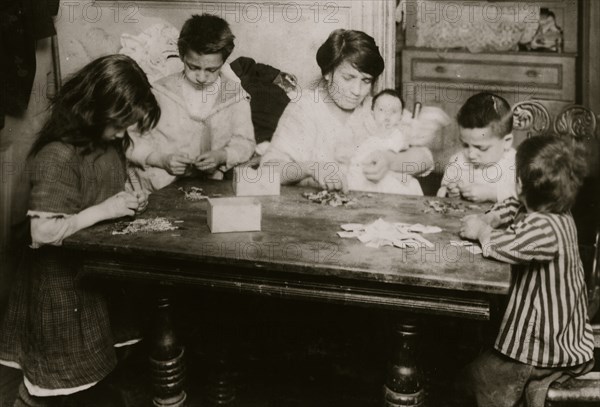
472,227
376,166
175,164
119,205
211,160
142,200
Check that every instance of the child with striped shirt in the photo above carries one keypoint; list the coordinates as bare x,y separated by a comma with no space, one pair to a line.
545,333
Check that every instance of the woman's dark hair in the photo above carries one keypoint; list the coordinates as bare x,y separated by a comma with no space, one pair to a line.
111,90
551,172
356,47
389,92
206,34
486,109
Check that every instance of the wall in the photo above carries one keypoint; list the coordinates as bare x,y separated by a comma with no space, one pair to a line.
283,34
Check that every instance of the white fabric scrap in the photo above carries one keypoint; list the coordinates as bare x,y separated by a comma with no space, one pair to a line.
350,227
381,233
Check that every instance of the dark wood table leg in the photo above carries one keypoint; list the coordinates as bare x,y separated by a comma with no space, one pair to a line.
404,381
166,360
221,387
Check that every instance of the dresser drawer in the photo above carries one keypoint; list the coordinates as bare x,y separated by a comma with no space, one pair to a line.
488,72
547,75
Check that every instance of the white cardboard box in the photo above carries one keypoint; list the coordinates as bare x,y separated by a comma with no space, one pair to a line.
233,215
248,181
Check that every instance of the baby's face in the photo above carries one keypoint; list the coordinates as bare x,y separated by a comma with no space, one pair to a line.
483,147
387,111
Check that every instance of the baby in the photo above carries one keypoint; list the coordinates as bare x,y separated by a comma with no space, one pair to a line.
387,110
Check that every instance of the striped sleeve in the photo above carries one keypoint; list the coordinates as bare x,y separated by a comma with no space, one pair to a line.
532,239
505,211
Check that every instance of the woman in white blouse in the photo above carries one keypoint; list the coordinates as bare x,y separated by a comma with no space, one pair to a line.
318,133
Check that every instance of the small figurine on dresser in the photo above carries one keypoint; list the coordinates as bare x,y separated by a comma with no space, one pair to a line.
549,36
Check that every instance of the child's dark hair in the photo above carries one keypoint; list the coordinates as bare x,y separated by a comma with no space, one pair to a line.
206,34
389,92
356,47
111,90
545,12
551,172
486,109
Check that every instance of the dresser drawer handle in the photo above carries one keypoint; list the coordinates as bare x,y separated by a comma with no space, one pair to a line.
532,73
440,69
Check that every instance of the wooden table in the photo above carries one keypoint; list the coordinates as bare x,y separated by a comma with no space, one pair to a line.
299,255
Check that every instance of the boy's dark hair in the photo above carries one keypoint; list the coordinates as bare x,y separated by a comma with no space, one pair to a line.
486,109
356,47
389,92
551,172
206,34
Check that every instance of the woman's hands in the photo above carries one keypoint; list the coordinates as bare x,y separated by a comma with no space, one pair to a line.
376,165
328,175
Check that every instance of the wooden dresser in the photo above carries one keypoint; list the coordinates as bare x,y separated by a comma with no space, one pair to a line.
447,78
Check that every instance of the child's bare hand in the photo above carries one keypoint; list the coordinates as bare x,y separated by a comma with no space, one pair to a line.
121,204
453,191
492,219
477,192
472,226
142,199
175,164
211,160
442,192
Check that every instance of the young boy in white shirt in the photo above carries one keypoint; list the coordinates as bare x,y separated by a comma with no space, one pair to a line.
484,170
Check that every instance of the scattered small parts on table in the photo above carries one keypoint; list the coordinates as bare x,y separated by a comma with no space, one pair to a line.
472,247
193,194
446,207
157,224
381,233
330,198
